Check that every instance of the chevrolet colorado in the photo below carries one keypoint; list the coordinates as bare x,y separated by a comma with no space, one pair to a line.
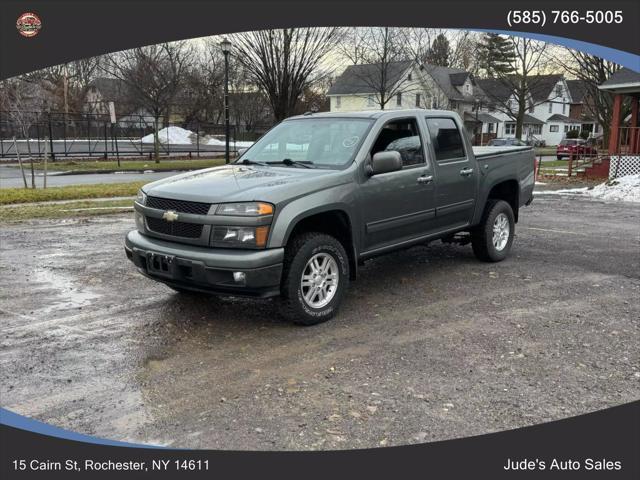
317,195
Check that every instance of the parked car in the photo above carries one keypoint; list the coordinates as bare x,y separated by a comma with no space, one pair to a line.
320,194
574,148
506,142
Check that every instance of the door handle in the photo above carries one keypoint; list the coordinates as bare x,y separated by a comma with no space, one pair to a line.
425,179
465,172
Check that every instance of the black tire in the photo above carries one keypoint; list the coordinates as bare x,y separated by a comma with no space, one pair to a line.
298,253
482,236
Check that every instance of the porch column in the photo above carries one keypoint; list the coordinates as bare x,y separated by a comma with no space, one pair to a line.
634,133
614,135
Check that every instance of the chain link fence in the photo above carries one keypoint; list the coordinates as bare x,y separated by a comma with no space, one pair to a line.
85,135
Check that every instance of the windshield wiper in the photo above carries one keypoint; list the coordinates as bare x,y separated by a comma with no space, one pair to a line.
248,161
288,162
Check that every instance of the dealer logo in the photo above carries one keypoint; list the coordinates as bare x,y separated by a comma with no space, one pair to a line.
28,24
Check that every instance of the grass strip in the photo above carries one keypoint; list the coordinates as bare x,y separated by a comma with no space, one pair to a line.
64,210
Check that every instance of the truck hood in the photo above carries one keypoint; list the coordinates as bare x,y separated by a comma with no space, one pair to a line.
243,183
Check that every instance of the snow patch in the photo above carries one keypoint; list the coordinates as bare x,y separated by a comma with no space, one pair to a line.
622,189
181,136
238,144
171,135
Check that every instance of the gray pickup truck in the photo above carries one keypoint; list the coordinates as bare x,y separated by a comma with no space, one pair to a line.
317,196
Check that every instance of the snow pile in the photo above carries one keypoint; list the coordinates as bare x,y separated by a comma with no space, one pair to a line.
238,144
622,189
182,136
171,135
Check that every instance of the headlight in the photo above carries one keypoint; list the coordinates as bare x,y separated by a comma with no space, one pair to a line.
228,236
141,197
246,209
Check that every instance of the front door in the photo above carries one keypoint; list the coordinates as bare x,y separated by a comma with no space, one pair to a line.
457,183
398,206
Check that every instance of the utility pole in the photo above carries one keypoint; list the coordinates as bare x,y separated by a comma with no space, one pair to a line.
225,45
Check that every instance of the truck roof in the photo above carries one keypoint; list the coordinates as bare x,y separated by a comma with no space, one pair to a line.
375,113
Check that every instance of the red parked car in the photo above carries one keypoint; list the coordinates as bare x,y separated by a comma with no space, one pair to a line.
574,148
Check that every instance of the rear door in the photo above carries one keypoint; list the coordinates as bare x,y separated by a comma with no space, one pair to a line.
456,174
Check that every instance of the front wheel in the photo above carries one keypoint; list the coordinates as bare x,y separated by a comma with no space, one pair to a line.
493,238
315,278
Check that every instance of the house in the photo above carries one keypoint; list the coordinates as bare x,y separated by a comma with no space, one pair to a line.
624,136
103,90
582,107
407,85
547,117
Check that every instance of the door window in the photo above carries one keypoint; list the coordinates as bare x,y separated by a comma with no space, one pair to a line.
446,138
402,136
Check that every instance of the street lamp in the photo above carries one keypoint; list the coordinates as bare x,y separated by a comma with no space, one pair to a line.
225,46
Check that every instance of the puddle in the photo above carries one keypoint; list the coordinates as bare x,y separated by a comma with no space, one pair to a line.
67,295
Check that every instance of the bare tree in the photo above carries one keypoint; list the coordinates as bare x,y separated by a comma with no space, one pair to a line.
153,75
68,82
385,59
528,63
593,71
353,45
283,62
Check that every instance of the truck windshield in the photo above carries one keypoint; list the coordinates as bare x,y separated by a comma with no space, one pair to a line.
319,142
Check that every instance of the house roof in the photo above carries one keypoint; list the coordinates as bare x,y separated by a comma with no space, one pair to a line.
447,79
577,90
556,117
501,89
531,120
495,88
542,86
359,79
624,78
458,78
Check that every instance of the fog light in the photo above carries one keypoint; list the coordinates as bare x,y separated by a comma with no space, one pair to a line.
239,277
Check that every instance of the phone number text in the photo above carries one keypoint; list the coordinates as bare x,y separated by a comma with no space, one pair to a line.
541,17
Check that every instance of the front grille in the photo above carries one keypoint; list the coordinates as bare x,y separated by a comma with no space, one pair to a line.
182,206
176,229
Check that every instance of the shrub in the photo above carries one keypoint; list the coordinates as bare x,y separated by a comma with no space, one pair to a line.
573,134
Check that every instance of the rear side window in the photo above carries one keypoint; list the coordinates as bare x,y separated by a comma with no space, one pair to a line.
446,138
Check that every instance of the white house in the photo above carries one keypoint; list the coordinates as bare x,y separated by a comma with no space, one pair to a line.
407,84
547,116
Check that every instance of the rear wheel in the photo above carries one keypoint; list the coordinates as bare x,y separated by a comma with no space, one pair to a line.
493,238
315,278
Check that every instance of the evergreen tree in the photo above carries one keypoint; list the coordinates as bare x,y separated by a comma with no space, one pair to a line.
496,55
439,52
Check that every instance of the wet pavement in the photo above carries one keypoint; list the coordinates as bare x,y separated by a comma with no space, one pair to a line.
430,344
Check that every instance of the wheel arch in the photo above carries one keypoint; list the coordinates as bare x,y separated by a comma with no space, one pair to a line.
333,220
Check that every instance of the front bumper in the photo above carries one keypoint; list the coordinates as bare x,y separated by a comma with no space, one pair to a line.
207,269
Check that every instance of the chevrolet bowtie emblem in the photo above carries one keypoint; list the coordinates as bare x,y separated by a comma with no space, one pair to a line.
170,216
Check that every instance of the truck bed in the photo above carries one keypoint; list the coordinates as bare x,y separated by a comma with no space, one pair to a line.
481,152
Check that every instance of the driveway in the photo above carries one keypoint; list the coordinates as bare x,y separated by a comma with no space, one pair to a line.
430,343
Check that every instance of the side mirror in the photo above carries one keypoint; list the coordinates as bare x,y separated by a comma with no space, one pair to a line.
241,151
384,162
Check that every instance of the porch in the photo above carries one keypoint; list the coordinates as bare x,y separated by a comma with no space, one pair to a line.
624,135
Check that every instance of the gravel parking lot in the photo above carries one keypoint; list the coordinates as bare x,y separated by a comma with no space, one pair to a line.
430,343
